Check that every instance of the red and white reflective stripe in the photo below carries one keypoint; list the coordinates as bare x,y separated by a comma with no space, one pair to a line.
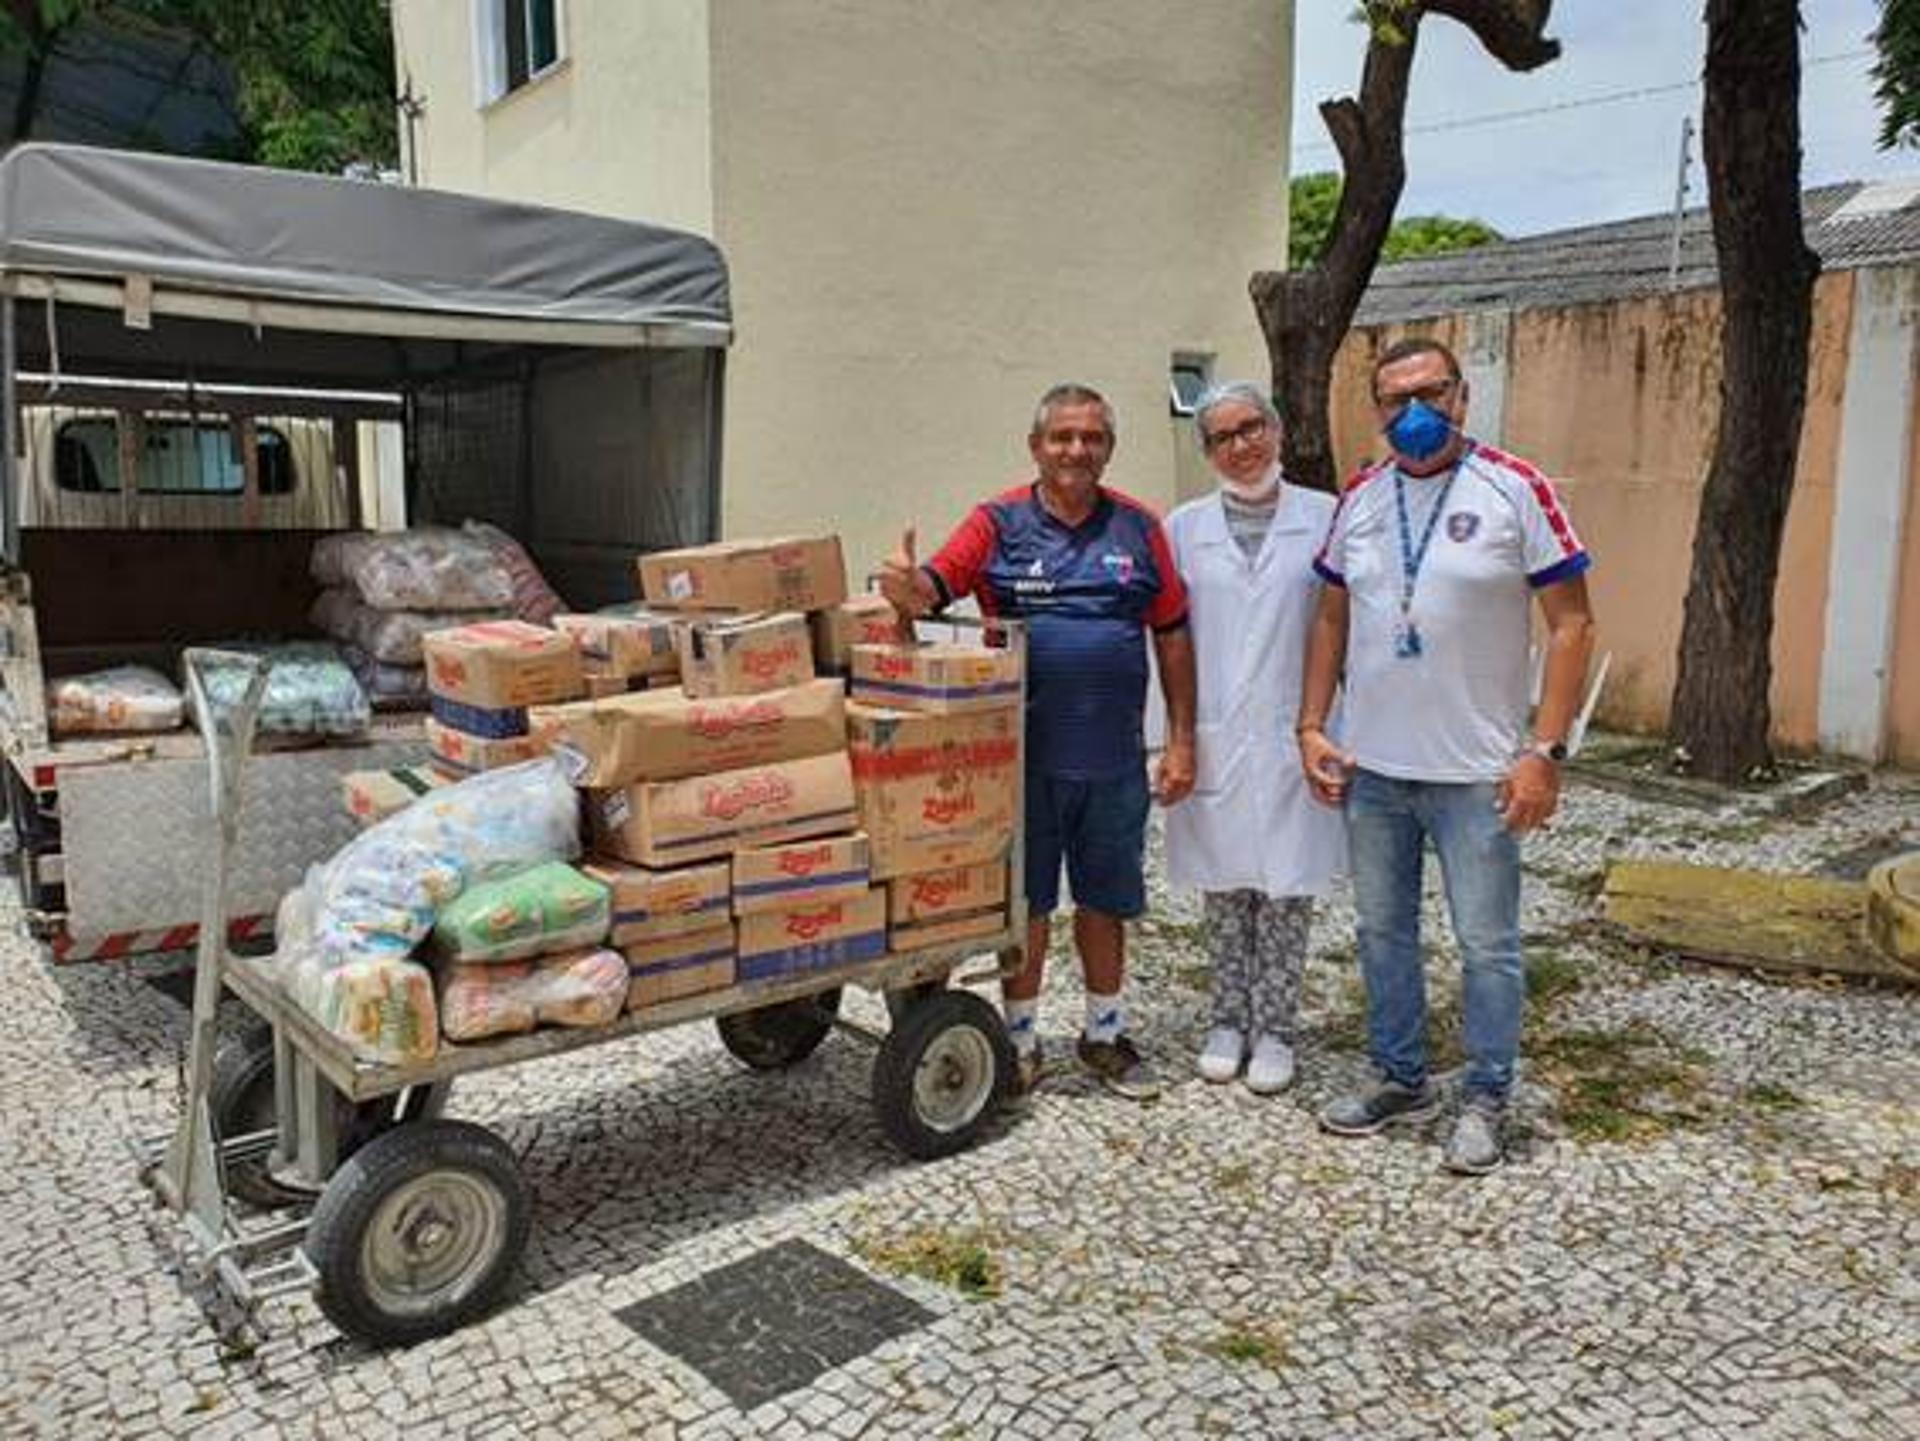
67,947
43,777
1543,494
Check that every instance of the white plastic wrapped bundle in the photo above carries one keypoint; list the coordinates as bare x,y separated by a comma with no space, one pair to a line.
363,912
123,698
392,637
310,691
429,569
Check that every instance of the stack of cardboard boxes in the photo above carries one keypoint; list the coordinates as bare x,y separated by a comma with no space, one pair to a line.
482,681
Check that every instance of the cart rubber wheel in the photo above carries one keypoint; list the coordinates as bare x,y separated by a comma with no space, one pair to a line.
418,1232
941,1073
775,1037
240,1103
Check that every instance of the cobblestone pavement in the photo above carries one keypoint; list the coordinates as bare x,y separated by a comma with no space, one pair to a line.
1708,1226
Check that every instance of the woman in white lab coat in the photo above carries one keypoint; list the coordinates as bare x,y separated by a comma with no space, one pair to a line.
1250,837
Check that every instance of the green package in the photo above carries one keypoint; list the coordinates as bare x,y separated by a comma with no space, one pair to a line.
548,907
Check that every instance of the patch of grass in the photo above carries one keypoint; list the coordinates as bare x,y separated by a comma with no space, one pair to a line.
957,1259
1623,1085
1250,1344
1769,1097
1237,1177
1552,976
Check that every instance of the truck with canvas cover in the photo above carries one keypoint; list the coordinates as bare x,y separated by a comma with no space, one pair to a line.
206,370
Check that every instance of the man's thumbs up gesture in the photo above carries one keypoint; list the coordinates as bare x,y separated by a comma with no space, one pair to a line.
903,583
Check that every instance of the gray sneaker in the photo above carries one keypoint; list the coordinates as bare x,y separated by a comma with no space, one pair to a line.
1120,1067
1389,1103
1474,1147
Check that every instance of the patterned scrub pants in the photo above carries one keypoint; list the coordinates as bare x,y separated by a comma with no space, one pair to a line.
1259,945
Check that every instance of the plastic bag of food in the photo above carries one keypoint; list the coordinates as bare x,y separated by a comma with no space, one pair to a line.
310,691
381,893
481,1001
392,637
549,907
584,990
388,687
432,568
534,601
123,698
383,1006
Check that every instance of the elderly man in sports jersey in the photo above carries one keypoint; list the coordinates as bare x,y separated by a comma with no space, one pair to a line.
1430,560
1091,572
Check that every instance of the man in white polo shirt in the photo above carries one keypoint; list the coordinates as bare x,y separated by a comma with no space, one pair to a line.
1430,562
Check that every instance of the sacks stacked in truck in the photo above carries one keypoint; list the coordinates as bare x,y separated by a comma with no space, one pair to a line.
384,591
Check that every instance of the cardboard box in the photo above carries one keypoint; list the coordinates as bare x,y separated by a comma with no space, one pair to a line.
374,795
813,937
791,573
663,735
669,823
944,678
772,878
495,723
498,664
921,935
460,753
625,644
603,683
744,655
954,890
934,791
689,965
650,905
857,620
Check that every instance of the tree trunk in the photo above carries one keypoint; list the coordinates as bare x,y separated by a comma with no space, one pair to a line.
1304,314
1751,137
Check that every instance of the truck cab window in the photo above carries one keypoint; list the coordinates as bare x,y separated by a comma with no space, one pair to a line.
177,457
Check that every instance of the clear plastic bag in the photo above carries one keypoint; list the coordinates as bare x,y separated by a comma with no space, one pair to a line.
383,1006
433,568
581,990
545,908
392,637
534,601
388,687
310,691
122,698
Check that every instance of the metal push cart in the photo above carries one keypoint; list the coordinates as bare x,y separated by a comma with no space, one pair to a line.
407,1225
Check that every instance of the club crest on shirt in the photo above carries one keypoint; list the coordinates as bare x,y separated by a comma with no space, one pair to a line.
1461,525
1119,565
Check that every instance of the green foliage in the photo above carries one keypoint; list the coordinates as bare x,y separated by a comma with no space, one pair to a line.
1434,235
1313,200
1896,75
313,79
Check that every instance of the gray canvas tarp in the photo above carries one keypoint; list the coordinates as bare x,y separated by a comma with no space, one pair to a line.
234,229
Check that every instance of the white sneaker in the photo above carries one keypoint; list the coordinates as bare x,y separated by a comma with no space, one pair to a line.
1221,1056
1271,1068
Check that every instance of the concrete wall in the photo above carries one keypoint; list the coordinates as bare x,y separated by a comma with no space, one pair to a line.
620,127
931,213
1620,403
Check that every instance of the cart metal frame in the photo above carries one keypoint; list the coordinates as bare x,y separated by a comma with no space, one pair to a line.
244,1261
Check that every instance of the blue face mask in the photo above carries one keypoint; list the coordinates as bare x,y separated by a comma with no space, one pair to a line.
1418,431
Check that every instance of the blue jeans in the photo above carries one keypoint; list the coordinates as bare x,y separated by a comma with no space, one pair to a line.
1388,824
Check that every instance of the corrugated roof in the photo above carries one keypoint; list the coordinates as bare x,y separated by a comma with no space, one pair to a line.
1881,226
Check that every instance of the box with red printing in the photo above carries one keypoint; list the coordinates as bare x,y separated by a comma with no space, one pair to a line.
677,966
952,890
770,878
667,823
502,664
790,573
857,620
934,791
813,937
460,754
626,644
920,935
941,677
650,904
743,655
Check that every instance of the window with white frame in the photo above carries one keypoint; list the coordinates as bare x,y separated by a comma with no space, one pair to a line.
514,42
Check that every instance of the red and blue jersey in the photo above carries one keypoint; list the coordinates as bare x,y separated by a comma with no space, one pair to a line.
1087,592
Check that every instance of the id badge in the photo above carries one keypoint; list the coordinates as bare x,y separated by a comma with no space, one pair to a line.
1406,640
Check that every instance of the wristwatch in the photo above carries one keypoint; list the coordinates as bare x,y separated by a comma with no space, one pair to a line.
1555,751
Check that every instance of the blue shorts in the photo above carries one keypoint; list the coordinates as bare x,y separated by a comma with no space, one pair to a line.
1099,827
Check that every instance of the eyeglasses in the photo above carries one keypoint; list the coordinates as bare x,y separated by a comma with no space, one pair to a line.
1246,430
1431,394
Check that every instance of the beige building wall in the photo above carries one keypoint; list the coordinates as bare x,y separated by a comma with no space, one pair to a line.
931,212
621,126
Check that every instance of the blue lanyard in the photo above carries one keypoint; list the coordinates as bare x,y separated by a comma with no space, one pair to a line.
1412,557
